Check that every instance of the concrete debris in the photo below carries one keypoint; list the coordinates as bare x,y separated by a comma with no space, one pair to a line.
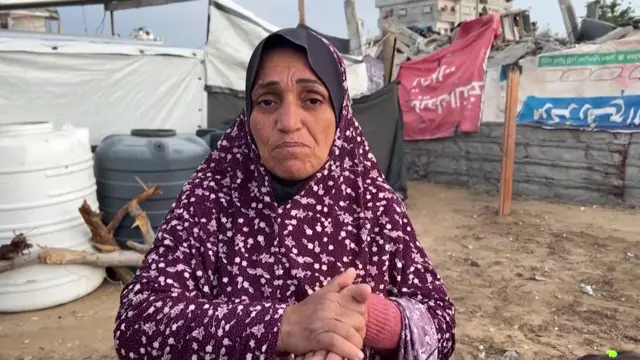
511,355
592,29
416,45
506,53
587,289
416,42
502,53
433,43
523,40
617,34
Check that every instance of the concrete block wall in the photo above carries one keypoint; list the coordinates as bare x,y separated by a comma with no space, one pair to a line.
570,165
632,175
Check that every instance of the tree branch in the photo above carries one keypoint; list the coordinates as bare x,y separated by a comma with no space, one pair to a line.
133,206
17,254
57,256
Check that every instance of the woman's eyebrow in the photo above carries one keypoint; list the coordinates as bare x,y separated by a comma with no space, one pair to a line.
267,85
306,81
274,84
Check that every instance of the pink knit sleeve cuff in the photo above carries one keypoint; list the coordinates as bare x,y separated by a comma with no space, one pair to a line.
384,323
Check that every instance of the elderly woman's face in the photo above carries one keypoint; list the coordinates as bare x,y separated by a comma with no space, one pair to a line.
292,118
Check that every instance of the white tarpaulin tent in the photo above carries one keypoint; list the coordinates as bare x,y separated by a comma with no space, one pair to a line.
108,86
233,34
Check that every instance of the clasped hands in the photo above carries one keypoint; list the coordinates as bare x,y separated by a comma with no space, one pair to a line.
330,324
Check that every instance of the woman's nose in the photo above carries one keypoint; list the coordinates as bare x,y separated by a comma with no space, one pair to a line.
289,117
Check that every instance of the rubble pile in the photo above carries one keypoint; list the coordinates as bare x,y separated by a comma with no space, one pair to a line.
519,39
505,53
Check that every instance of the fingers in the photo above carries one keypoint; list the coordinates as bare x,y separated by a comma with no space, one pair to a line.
354,298
343,331
341,281
359,292
353,319
340,346
333,356
318,355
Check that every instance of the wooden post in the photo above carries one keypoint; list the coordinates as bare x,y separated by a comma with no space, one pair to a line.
388,51
509,142
113,25
355,28
302,13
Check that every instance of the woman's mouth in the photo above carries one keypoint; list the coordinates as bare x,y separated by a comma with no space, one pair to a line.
291,145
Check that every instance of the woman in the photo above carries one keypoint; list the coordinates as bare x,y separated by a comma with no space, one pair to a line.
287,241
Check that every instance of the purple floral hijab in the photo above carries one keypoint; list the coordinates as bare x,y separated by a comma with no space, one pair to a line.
228,260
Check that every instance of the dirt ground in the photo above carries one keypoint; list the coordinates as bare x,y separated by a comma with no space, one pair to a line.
517,283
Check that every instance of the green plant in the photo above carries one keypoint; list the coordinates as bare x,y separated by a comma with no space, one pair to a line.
615,12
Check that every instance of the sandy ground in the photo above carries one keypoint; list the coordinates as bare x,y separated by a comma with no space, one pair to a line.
516,281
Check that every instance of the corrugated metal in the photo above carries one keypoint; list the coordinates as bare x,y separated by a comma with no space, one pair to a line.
45,175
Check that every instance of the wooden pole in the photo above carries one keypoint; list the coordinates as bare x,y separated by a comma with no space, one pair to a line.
113,25
388,52
509,142
355,28
302,13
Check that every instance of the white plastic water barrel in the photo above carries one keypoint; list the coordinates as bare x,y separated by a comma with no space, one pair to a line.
45,175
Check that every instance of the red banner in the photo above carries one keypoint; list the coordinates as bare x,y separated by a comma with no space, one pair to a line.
444,90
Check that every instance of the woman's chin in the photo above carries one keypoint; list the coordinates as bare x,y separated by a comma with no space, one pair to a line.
293,170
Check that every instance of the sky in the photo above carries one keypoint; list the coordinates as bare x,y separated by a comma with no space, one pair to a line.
185,24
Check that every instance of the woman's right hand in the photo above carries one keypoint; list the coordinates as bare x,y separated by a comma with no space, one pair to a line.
328,320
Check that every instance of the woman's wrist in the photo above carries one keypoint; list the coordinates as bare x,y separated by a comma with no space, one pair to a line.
384,323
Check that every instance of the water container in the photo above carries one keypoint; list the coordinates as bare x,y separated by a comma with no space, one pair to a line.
156,157
211,137
45,175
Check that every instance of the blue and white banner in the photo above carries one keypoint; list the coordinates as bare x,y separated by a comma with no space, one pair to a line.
593,87
602,112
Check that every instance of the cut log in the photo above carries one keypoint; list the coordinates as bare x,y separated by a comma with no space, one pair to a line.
123,258
57,256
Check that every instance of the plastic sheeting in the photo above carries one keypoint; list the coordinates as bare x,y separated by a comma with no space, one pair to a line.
380,116
233,34
108,86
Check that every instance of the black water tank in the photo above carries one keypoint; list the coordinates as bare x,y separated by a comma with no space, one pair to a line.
591,29
211,137
156,157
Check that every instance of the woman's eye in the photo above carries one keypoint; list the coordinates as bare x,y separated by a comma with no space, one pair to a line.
314,101
266,103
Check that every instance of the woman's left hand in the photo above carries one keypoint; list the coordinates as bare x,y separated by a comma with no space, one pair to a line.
320,355
361,295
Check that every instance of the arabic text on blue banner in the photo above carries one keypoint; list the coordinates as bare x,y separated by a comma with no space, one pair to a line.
599,112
